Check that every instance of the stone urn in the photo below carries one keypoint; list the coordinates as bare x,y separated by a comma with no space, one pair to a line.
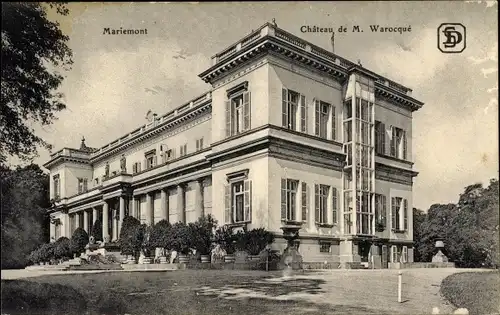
146,260
183,259
439,257
229,258
131,260
163,260
205,258
291,259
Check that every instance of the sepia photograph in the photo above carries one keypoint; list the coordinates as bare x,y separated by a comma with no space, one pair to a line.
331,157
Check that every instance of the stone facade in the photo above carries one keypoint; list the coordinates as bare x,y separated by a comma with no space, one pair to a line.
289,134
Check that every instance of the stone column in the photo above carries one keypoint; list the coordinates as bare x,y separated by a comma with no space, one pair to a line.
181,209
149,210
105,218
94,215
164,204
52,232
66,227
114,227
133,213
77,220
122,214
198,190
86,221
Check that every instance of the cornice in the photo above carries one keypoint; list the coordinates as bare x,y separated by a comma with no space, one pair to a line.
177,122
312,57
62,159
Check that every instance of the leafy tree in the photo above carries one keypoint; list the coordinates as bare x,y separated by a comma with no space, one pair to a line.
419,218
130,237
79,240
62,248
257,240
33,48
469,228
225,237
202,233
161,235
181,238
96,230
24,198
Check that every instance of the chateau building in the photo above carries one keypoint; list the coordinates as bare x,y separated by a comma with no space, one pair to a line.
289,134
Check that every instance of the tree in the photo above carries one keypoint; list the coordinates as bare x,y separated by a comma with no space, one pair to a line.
469,228
181,238
130,240
96,230
161,235
202,233
33,50
62,248
419,217
79,240
24,197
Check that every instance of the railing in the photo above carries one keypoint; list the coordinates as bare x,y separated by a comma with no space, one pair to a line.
226,53
250,39
291,39
156,122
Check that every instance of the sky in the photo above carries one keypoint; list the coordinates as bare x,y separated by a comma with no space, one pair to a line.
455,135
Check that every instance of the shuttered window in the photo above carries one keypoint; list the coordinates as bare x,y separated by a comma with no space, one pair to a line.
238,202
238,114
289,199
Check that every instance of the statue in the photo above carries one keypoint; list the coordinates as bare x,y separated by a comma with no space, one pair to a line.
106,170
123,164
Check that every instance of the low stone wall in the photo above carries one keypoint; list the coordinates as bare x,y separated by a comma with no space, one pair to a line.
421,265
152,266
96,267
320,265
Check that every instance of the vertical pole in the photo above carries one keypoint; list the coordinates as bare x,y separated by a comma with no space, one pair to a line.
400,283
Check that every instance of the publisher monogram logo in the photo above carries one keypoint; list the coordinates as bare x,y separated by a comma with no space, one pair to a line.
451,38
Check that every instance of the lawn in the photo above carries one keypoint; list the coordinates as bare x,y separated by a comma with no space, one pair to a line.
479,292
179,292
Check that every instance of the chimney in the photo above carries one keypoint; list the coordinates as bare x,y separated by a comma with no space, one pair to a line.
333,42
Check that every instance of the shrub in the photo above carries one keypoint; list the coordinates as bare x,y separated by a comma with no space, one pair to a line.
161,235
62,248
34,256
257,240
143,233
96,230
240,241
225,237
130,238
79,240
181,238
202,234
46,252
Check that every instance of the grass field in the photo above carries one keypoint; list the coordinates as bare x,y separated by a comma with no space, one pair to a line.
222,292
479,292
152,293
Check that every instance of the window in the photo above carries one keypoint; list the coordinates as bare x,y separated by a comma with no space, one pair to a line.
237,114
237,202
325,119
183,149
398,143
292,117
82,185
305,201
150,161
380,211
394,254
399,214
289,199
199,144
321,203
57,186
324,247
136,167
379,137
404,255
96,181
